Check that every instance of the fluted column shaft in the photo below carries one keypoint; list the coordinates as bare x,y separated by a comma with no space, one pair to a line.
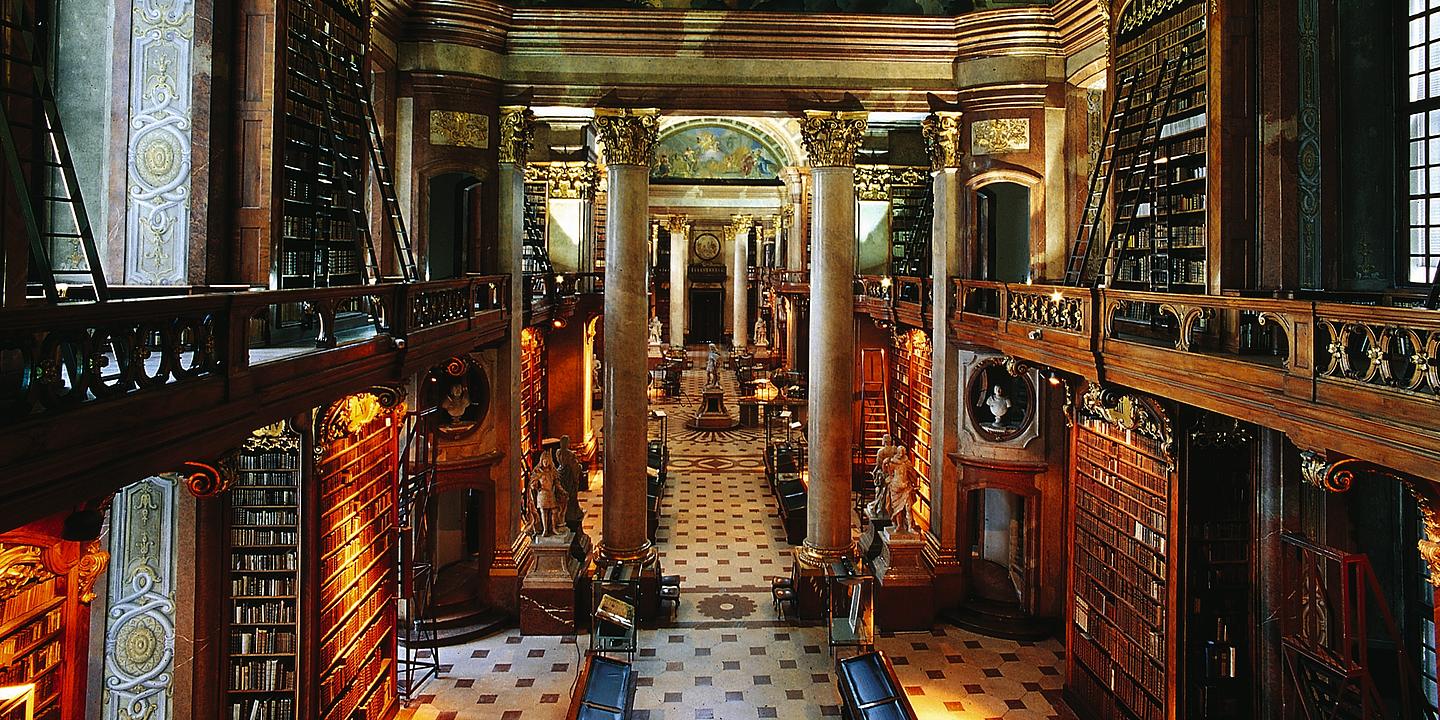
628,138
679,270
831,140
740,285
941,131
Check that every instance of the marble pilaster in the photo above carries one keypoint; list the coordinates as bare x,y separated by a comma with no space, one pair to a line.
628,138
516,135
942,138
830,140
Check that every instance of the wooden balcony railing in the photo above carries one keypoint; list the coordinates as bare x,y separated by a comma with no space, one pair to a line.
118,385
1364,379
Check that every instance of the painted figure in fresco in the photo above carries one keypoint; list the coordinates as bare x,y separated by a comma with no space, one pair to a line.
712,367
548,495
570,473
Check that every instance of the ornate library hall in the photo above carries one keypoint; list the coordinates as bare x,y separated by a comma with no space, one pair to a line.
719,359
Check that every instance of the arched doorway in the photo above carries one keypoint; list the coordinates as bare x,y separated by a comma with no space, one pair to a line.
453,219
1002,232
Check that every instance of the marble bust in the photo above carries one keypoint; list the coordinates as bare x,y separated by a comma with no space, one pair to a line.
999,406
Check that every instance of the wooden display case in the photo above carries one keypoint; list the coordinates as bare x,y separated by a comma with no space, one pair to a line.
1167,247
263,605
1123,581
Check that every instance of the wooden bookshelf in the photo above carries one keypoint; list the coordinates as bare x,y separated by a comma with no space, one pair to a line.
536,215
600,213
263,606
354,639
1167,248
45,617
911,210
910,361
533,389
1121,634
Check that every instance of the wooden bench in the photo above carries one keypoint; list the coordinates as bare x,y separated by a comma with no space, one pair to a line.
605,690
869,689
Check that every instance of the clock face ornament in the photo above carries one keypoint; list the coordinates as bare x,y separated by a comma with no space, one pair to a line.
707,246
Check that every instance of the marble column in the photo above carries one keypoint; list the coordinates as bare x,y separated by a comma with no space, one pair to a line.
517,127
941,131
679,270
628,137
742,227
830,140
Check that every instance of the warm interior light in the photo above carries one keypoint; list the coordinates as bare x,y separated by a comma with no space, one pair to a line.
558,323
16,691
885,282
1057,296
765,391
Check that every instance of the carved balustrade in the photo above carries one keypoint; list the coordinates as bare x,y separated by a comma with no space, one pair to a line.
1394,349
54,359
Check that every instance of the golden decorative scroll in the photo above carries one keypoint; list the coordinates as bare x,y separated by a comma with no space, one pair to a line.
999,136
1130,412
831,138
571,180
517,133
204,480
941,131
459,129
628,135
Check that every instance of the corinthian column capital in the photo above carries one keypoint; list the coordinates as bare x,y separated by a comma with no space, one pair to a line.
517,133
941,131
628,135
832,137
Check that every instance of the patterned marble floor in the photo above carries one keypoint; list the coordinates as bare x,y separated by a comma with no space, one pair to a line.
726,655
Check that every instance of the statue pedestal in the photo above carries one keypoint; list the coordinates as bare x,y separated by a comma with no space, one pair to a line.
547,594
712,414
870,541
904,599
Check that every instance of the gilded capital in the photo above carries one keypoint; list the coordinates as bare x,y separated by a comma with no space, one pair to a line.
942,139
628,135
741,223
517,133
831,138
677,224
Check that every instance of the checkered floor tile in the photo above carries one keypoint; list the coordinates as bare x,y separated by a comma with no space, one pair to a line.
726,655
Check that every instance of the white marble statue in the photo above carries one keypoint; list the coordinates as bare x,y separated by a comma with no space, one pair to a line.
712,367
655,330
880,475
900,493
761,333
545,483
999,406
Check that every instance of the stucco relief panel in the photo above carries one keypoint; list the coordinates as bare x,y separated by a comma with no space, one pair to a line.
140,620
158,180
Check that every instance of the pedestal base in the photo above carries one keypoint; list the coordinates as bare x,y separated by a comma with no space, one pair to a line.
712,414
547,593
870,542
904,598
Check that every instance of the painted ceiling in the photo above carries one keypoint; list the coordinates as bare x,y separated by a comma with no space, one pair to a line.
881,7
715,151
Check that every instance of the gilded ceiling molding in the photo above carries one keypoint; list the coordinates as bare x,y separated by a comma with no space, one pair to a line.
627,135
517,133
832,137
875,182
941,131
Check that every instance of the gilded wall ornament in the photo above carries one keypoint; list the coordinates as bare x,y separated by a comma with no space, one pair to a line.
459,129
352,413
1140,13
627,135
571,180
831,138
999,136
941,131
1130,412
204,480
876,182
517,133
1429,544
20,565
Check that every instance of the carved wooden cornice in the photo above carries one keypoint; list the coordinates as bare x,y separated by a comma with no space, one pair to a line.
941,131
517,133
204,480
627,135
351,413
832,137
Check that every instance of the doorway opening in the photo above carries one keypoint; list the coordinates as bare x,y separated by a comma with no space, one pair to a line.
1002,217
453,221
